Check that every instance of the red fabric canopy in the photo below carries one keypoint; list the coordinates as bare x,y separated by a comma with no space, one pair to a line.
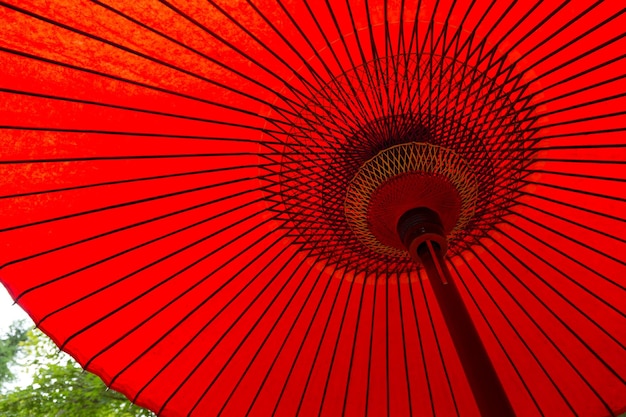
173,177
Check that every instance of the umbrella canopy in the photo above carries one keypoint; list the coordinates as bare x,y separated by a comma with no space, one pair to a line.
199,199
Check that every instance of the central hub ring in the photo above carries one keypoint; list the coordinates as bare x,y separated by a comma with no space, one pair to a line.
404,177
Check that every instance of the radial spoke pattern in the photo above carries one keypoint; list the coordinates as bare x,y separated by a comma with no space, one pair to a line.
174,176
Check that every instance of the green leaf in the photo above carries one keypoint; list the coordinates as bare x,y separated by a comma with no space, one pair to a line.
60,388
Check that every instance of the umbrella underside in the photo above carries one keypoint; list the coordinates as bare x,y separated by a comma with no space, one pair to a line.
189,204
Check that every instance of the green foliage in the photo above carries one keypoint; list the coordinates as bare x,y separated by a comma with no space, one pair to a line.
60,388
9,349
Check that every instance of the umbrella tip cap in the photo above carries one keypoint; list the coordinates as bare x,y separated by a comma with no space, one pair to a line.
418,226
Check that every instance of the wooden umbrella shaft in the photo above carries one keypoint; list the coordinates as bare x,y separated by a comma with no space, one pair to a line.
488,391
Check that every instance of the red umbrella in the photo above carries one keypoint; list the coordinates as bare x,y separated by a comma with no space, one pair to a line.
205,203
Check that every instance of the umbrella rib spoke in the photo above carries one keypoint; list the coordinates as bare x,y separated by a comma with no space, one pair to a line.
435,98
571,239
353,103
132,180
581,133
580,90
583,161
575,107
127,81
534,321
576,190
126,157
404,342
119,205
178,297
386,276
580,56
552,35
139,270
519,337
339,93
578,75
494,48
587,119
269,334
336,345
357,327
168,332
393,55
557,316
292,103
129,108
379,88
371,344
429,69
302,150
506,52
375,110
582,146
260,317
345,96
565,219
306,336
270,50
421,344
574,206
127,227
567,276
315,362
408,52
146,134
467,45
143,55
530,170
568,256
445,48
456,38
317,280
203,55
433,328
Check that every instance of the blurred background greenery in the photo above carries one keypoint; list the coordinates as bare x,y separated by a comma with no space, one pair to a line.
38,380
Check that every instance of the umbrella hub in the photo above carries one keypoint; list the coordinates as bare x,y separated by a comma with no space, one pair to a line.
419,130
405,177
